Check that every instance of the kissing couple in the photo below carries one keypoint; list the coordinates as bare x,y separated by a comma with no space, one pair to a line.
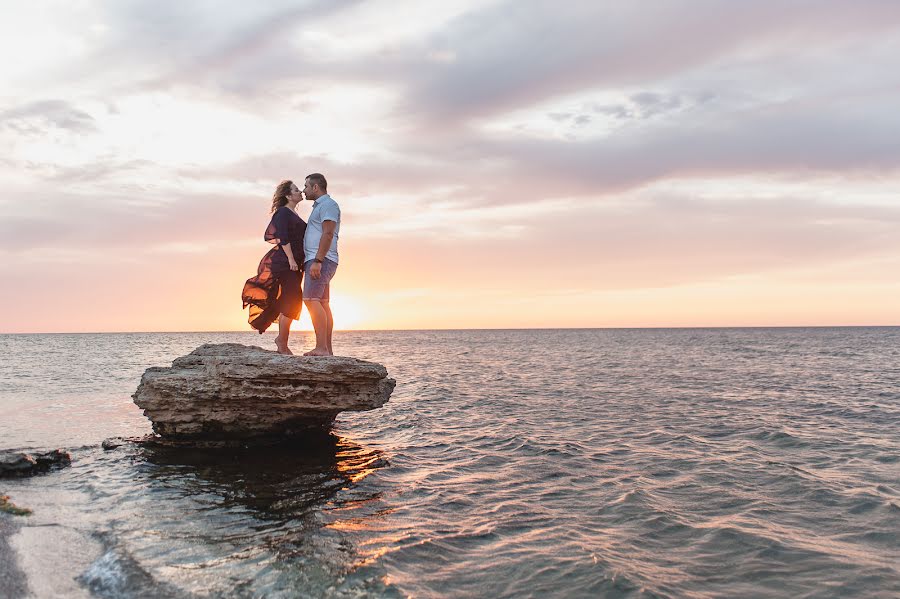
303,250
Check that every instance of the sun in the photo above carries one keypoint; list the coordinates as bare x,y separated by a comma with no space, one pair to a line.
348,313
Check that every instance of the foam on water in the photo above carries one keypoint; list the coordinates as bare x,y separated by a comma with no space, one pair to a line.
654,463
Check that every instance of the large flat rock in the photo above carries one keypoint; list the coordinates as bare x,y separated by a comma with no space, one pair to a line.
233,391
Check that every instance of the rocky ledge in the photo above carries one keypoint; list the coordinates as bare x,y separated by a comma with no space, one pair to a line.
230,391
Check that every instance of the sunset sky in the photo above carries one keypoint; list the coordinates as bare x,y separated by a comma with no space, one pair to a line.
498,164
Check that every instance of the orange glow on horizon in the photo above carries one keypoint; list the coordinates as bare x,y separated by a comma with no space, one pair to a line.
348,314
417,295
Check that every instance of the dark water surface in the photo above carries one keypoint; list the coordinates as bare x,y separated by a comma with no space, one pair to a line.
561,463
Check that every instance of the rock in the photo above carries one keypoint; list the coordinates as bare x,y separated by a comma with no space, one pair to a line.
14,463
230,391
8,507
113,443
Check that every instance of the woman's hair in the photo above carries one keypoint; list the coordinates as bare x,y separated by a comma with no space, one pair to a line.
283,190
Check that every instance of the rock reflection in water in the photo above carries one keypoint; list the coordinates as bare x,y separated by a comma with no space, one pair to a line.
282,481
238,521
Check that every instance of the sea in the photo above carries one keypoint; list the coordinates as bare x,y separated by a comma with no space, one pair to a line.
683,463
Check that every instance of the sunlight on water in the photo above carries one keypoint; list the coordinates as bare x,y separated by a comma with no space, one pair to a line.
612,463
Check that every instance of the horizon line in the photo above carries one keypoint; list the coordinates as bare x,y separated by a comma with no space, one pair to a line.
625,328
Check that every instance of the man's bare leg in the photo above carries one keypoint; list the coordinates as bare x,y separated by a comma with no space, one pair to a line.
319,318
284,331
327,308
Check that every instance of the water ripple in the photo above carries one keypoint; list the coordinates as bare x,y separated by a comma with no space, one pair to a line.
611,463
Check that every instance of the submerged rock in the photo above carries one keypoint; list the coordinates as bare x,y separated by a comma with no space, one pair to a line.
230,391
8,507
113,443
16,463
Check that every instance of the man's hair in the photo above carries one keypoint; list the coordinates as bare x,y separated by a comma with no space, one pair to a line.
318,179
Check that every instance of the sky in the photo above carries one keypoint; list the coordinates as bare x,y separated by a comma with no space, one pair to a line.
499,164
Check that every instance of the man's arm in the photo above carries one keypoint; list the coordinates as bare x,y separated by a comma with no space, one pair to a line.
328,227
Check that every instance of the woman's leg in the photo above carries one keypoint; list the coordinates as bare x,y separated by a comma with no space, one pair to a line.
290,302
284,331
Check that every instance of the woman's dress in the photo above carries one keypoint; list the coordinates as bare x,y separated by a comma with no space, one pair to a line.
276,288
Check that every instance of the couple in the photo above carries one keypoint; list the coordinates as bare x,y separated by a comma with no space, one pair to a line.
300,248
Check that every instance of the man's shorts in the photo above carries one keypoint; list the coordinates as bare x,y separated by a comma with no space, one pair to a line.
318,289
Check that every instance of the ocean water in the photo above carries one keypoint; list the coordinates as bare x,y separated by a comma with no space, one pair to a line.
544,463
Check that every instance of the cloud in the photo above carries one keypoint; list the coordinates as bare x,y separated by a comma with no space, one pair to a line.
651,103
785,139
681,114
509,56
652,240
648,239
782,139
36,118
125,220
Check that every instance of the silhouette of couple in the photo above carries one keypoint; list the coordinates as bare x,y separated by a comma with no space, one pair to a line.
303,249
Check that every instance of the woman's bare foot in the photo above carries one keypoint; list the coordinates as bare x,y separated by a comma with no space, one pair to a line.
283,349
317,352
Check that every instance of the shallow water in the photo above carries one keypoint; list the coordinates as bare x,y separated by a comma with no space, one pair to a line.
569,463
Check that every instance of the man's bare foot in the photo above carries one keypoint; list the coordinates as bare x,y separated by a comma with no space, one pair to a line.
283,349
317,352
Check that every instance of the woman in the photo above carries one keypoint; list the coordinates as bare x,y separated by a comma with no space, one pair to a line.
275,291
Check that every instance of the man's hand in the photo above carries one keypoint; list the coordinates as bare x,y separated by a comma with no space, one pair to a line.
315,270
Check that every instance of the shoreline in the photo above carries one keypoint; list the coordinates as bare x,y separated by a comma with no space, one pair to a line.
13,580
42,556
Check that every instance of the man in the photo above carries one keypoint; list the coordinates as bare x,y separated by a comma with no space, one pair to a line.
320,260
